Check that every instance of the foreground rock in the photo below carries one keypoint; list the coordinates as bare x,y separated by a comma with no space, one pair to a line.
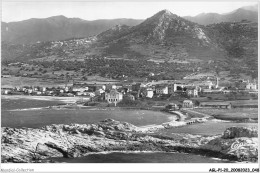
241,142
76,140
234,132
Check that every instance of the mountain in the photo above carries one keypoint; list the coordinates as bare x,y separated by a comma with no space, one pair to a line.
61,28
57,28
249,13
162,36
251,8
239,40
114,32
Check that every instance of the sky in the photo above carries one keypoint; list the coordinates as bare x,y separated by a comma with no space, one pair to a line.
17,10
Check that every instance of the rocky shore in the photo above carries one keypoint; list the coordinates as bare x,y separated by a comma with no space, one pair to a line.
25,145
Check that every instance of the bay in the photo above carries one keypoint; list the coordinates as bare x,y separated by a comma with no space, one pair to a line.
140,157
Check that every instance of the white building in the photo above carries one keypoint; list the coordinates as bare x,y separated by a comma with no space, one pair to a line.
149,93
91,94
79,89
39,93
251,86
66,89
30,91
161,89
113,97
192,92
44,89
172,88
187,104
6,91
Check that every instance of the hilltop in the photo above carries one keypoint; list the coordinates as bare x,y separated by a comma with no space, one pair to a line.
162,36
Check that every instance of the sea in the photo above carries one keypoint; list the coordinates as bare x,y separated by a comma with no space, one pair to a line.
30,113
34,113
141,157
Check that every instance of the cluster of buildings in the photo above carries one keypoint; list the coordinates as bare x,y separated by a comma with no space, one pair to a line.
114,93
72,42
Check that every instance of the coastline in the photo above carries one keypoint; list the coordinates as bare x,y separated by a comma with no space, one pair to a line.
69,103
115,143
23,145
174,119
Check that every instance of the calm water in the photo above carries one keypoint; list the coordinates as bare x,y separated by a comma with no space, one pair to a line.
208,128
39,118
157,157
8,104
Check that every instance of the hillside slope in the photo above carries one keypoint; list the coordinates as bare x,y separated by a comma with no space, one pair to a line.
56,28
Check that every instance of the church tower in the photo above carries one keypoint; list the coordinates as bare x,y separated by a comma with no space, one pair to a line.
217,83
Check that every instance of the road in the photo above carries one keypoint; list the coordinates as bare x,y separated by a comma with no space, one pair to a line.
192,111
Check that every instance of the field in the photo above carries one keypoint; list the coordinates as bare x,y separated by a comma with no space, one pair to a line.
27,81
231,114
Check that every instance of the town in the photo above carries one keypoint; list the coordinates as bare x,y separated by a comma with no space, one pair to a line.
182,93
167,83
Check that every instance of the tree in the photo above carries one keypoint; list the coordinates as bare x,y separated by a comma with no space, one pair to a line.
196,103
235,50
84,78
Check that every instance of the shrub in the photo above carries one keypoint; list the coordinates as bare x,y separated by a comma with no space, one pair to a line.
128,102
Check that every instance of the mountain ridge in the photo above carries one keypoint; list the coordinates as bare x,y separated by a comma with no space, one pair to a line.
163,37
57,28
60,27
244,13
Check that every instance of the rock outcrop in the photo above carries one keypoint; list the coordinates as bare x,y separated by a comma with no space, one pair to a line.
234,132
76,140
241,142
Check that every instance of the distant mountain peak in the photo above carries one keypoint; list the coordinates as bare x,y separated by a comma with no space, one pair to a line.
162,17
248,12
58,17
164,13
164,27
251,8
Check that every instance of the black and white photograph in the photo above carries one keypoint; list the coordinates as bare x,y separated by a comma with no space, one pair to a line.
119,86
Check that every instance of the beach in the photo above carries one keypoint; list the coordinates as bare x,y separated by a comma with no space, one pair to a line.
46,98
